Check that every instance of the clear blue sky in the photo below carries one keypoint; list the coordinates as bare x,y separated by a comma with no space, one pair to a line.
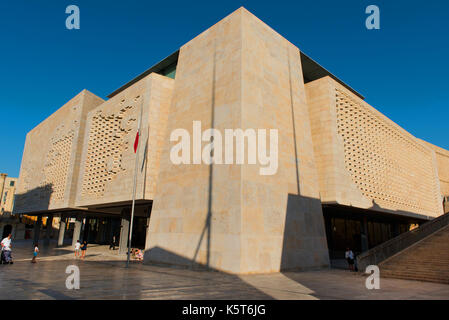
402,69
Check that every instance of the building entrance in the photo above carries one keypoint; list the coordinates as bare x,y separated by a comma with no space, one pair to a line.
360,230
101,230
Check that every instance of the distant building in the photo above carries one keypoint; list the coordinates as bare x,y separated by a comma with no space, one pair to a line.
8,188
8,222
347,175
20,226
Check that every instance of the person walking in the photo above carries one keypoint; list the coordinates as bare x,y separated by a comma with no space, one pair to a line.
349,255
112,245
83,249
6,249
35,252
77,249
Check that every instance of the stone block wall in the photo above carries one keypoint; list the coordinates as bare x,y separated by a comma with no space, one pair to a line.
50,162
367,161
240,74
108,158
442,160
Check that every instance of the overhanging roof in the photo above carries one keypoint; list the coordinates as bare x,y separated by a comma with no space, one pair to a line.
158,67
310,68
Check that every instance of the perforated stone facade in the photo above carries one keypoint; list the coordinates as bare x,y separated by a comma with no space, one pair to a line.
107,143
51,158
108,158
365,159
57,162
442,160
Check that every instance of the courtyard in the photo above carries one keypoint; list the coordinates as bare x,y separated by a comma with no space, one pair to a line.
103,275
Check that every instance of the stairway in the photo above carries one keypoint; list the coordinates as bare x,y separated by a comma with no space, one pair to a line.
426,260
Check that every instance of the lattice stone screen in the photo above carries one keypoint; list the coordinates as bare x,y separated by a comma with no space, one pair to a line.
57,164
105,150
108,159
365,160
49,170
442,157
387,165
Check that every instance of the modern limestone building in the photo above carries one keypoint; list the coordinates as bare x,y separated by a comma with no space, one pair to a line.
347,175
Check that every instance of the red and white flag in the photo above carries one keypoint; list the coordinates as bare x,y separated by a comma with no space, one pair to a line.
136,142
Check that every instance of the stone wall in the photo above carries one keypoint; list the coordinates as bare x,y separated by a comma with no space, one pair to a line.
442,160
108,158
367,161
240,74
49,169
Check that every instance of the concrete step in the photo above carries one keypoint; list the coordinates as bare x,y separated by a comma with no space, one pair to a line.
417,261
415,274
417,278
433,278
426,261
430,248
415,266
421,271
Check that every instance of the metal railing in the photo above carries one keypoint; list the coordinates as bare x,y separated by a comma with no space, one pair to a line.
389,248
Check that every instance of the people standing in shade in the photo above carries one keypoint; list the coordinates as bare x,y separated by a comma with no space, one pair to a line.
112,245
35,252
77,249
83,249
349,255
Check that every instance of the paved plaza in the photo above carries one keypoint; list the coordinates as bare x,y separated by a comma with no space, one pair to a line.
103,276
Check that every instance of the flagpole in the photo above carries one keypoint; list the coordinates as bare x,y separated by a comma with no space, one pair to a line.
134,186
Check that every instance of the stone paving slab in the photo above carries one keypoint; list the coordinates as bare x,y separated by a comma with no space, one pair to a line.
104,276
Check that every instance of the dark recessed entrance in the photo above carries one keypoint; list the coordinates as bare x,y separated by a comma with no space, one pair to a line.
101,230
361,229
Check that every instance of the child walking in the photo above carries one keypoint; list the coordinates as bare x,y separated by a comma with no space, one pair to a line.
35,252
77,249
